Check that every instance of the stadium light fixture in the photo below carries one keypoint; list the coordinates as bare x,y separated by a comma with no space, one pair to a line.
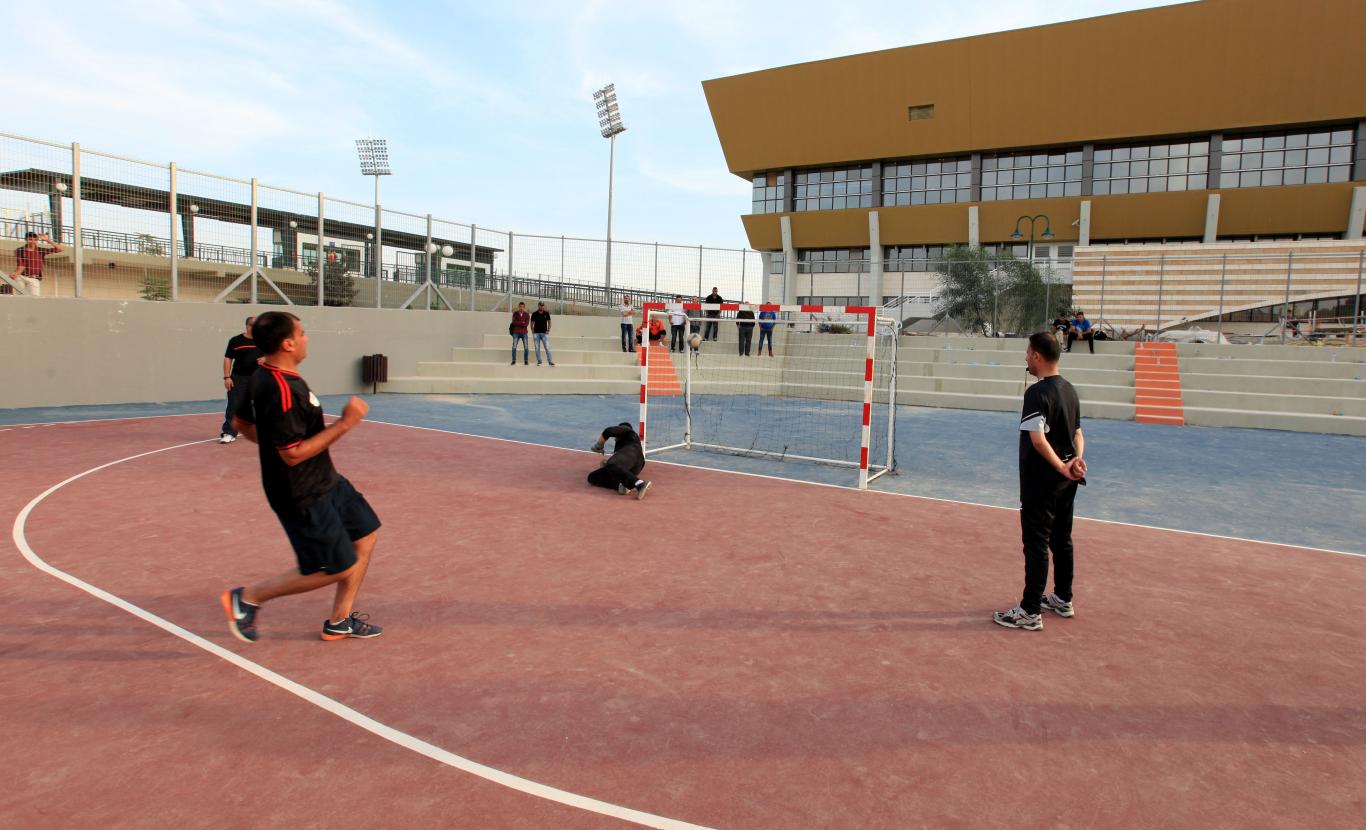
374,161
611,125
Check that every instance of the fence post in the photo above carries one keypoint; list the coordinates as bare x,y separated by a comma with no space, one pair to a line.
1285,307
175,256
322,250
473,257
1223,277
509,286
699,272
562,273
427,257
1356,299
743,256
79,248
379,255
656,267
252,269
1161,275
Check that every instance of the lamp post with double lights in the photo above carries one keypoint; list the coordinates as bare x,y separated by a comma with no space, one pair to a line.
374,161
1047,234
610,123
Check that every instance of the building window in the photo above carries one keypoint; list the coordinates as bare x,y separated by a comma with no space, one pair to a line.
913,257
769,191
832,301
1034,175
832,261
776,263
927,182
1151,168
834,188
923,112
1299,157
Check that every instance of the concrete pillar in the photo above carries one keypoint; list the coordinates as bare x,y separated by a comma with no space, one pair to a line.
766,286
1356,215
789,262
1084,223
874,260
1212,218
974,226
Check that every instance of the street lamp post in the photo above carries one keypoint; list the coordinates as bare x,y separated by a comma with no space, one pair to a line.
609,121
1047,234
374,161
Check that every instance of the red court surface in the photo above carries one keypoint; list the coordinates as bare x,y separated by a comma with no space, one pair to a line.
732,652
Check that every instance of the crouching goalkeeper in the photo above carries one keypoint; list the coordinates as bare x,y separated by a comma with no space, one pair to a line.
622,469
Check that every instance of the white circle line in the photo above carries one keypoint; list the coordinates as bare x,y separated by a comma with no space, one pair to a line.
322,701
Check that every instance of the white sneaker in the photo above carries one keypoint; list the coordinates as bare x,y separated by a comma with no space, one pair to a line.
226,438
1057,606
1017,617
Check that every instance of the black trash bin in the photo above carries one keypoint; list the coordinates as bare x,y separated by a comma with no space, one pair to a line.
374,370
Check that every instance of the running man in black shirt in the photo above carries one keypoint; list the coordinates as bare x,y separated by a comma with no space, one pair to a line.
1051,467
239,362
330,526
622,469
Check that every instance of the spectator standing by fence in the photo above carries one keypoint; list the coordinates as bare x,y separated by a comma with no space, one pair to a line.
745,330
628,313
518,328
766,324
710,332
676,321
28,262
540,332
239,364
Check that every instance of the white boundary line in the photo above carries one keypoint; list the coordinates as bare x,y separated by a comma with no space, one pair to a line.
323,702
887,492
4,427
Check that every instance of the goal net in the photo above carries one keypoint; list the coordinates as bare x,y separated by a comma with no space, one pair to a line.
807,384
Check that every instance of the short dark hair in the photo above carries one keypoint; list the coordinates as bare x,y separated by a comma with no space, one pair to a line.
272,329
249,320
30,235
1045,346
521,304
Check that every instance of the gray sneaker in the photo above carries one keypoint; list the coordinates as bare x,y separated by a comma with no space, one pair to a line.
1017,617
1057,606
621,490
641,489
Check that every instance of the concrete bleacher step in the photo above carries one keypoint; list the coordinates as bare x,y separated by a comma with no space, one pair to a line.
562,355
557,385
1273,368
1114,410
1276,403
1292,421
585,371
1276,384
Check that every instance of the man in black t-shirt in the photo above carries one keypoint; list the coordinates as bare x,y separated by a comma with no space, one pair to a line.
1051,467
622,469
540,332
330,526
710,331
239,362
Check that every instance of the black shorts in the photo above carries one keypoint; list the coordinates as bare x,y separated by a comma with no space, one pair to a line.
323,533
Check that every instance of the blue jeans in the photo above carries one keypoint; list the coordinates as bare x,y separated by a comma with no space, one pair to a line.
522,337
628,339
765,334
542,339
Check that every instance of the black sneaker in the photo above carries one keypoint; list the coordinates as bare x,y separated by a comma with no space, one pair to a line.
241,615
353,626
641,489
1053,603
1017,617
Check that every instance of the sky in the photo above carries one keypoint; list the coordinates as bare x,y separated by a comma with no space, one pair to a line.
487,107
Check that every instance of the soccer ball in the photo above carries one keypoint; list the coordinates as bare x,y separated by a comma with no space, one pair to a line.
695,340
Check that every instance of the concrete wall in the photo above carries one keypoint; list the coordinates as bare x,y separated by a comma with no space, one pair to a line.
62,352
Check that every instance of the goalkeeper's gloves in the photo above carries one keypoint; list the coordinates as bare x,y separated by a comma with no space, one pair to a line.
598,446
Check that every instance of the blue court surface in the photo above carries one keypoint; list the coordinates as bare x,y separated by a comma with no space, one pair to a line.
1293,488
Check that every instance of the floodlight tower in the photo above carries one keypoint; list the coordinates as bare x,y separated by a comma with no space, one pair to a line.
374,161
609,120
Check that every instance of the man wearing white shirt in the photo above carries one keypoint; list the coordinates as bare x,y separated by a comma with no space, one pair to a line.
677,319
627,312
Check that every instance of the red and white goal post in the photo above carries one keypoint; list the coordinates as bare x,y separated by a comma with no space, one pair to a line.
827,395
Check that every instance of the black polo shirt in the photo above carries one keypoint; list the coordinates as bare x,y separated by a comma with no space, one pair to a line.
627,454
243,353
286,413
1051,407
540,322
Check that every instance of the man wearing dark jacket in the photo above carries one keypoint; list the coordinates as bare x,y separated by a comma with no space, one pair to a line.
709,333
745,329
622,469
520,321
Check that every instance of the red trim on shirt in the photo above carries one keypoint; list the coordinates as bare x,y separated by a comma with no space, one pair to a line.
291,446
286,398
278,369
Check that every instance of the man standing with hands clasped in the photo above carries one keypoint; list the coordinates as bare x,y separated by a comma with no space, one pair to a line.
331,527
239,363
1051,467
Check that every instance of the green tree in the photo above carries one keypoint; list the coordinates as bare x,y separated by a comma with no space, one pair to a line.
339,287
968,288
991,294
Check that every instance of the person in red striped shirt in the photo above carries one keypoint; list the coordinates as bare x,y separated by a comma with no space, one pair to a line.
28,262
331,526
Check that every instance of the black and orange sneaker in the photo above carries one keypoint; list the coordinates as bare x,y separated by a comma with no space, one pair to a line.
353,626
241,615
